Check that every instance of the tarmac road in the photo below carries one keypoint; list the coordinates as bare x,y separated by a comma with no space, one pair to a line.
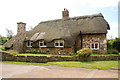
30,71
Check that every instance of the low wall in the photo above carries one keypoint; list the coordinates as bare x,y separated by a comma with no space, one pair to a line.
6,56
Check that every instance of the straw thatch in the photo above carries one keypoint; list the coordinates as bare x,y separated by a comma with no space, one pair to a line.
68,28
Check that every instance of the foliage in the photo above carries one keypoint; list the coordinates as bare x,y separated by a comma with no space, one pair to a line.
38,52
3,40
35,54
2,48
104,54
9,33
96,52
85,52
112,51
73,54
13,52
114,44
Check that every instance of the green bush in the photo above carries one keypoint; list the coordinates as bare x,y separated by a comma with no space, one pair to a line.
13,52
38,52
2,48
112,51
85,52
73,54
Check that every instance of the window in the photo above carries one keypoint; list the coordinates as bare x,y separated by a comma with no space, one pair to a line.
42,44
94,46
59,43
29,44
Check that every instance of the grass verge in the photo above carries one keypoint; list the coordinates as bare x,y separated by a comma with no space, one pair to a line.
104,65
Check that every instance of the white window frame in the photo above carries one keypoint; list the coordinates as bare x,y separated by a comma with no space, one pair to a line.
29,43
94,46
58,41
43,44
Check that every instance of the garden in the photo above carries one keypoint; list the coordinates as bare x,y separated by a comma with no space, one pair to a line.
113,50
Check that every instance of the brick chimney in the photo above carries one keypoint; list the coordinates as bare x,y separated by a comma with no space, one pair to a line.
65,13
20,37
21,28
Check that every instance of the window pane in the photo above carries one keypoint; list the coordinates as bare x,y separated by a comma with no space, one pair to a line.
92,45
28,43
31,43
61,44
56,44
44,43
41,44
96,45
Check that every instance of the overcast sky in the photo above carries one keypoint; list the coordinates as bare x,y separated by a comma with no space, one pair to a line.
33,12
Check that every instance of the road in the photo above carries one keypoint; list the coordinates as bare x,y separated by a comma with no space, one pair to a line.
31,71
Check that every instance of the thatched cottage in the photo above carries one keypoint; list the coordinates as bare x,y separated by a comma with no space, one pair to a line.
62,36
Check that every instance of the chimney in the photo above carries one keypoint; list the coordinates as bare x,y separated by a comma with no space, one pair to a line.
65,13
21,28
21,35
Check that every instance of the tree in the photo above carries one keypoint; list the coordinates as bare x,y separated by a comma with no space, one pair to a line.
116,44
9,33
3,39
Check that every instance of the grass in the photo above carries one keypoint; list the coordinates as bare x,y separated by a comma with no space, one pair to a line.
48,55
104,54
104,65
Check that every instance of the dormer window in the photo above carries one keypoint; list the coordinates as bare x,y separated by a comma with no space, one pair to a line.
59,43
42,44
29,44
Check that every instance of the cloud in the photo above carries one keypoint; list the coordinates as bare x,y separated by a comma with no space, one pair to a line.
33,12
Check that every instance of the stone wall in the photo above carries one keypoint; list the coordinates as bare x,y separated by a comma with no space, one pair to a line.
86,40
89,38
6,56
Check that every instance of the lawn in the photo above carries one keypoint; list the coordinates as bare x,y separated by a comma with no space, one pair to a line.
48,55
105,54
105,65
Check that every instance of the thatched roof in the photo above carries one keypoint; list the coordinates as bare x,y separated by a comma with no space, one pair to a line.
68,28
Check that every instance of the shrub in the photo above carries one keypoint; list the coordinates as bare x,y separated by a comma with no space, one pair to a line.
13,52
112,51
73,54
85,52
34,52
96,52
2,48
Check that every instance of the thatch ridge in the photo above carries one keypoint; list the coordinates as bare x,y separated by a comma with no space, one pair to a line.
75,18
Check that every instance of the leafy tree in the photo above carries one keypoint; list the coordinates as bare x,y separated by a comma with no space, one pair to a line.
9,33
3,40
116,44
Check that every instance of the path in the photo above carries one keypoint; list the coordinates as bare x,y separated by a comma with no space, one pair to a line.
30,71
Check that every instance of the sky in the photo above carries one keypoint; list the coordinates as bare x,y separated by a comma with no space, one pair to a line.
32,12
